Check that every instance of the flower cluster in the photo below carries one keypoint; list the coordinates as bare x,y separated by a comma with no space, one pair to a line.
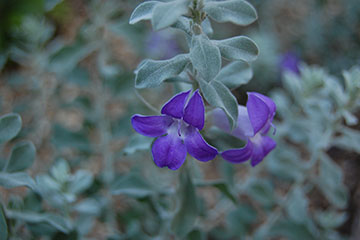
177,130
254,122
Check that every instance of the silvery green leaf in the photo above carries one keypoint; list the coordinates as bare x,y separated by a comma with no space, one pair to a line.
291,230
3,225
235,74
142,12
132,185
297,205
261,191
22,156
183,24
80,181
19,179
10,126
88,206
330,182
205,57
218,95
331,218
236,11
206,27
348,140
66,59
238,48
137,142
153,72
55,221
350,118
184,219
240,218
167,13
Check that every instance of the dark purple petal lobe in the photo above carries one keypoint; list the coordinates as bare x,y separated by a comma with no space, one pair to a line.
268,101
151,126
194,113
258,112
175,106
262,147
169,151
198,147
239,155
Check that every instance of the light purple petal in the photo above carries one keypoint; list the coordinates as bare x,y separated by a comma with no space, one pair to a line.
258,112
194,113
151,126
239,155
243,129
169,151
198,147
175,106
261,147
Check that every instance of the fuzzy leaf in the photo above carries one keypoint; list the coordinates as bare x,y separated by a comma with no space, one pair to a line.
238,48
10,126
152,73
236,11
132,185
205,57
142,12
297,206
22,156
218,95
12,180
184,219
235,74
167,13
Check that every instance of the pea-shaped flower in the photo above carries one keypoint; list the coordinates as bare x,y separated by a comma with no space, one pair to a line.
254,122
177,131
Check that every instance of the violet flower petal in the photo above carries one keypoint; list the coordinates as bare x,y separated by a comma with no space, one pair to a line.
151,126
169,151
243,129
238,155
194,113
175,106
198,147
261,147
258,112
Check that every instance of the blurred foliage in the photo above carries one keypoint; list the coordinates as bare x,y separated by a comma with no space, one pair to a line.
72,167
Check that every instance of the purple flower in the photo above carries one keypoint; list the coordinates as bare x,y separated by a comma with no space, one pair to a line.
254,122
177,130
290,62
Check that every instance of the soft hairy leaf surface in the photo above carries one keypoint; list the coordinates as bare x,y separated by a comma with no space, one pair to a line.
235,11
218,95
184,219
12,180
235,74
132,185
142,12
167,13
297,206
10,125
205,57
22,157
238,48
153,72
55,221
